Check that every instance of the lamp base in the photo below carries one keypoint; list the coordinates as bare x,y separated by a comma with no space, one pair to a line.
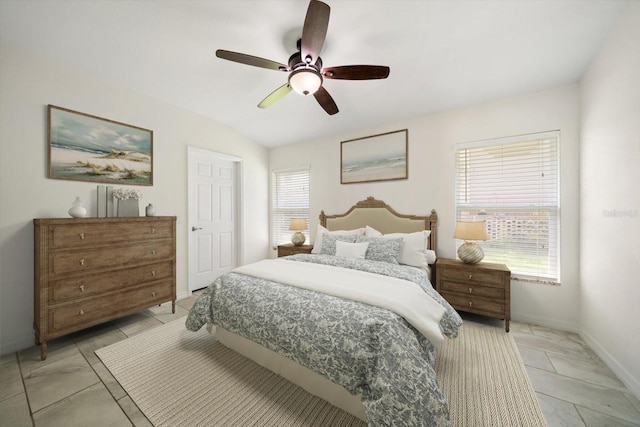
298,238
470,253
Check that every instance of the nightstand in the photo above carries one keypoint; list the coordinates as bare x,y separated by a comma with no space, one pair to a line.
291,249
482,288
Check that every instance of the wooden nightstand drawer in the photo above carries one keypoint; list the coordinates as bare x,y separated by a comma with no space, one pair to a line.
467,275
473,304
473,289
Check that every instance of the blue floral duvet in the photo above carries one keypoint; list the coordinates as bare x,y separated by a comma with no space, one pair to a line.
365,349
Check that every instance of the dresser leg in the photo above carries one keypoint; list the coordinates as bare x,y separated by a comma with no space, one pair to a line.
173,306
506,325
43,350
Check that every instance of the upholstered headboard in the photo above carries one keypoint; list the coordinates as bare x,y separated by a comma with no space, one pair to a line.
379,215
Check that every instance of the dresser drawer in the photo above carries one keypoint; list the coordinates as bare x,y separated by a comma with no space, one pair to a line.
475,304
88,285
470,276
473,289
85,235
93,259
94,309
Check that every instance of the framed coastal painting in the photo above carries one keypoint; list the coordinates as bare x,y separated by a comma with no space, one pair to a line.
83,147
381,157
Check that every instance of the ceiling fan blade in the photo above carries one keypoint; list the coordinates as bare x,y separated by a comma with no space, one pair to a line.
326,101
275,96
314,31
251,60
356,72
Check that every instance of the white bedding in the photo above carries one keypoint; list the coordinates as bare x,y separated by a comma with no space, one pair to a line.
402,297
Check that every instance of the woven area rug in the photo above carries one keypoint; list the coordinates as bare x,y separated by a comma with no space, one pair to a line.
181,378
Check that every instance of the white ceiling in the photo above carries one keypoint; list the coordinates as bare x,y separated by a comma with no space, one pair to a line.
442,54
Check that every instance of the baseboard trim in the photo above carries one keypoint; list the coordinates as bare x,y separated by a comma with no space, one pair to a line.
623,375
547,322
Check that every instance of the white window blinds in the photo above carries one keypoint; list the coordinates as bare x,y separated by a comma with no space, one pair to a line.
290,199
512,185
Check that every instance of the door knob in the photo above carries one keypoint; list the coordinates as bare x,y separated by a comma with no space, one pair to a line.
196,228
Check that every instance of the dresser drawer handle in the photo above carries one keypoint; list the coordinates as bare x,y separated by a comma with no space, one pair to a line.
470,290
81,236
153,252
470,303
82,261
470,276
82,288
153,273
81,312
153,231
153,294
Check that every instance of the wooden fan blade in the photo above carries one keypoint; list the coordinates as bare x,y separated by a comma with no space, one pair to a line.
251,60
326,101
275,96
356,72
314,31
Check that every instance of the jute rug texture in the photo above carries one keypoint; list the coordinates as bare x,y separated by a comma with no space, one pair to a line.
182,378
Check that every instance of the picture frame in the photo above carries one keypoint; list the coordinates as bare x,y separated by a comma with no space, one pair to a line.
83,147
381,157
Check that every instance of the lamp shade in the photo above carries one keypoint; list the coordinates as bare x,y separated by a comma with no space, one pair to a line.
298,224
470,230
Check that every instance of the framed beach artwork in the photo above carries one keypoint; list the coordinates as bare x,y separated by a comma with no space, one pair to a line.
381,157
83,147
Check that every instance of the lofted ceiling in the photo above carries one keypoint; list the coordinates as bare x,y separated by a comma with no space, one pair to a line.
442,54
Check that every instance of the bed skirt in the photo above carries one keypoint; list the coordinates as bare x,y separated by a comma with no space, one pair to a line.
311,381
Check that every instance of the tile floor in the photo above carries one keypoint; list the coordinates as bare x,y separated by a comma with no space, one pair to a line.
73,388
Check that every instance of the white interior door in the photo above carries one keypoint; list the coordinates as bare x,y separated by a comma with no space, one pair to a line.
212,224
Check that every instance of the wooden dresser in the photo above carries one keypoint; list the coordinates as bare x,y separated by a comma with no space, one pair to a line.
481,288
291,249
91,270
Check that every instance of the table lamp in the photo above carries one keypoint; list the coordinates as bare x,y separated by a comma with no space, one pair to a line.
469,231
298,224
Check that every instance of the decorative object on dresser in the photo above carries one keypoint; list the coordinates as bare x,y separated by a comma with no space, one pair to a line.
77,209
476,288
298,225
91,270
468,231
291,249
127,201
150,210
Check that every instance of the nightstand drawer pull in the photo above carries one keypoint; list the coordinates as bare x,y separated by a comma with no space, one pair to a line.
470,276
470,303
81,236
470,290
82,261
82,288
81,312
153,252
153,273
153,294
153,231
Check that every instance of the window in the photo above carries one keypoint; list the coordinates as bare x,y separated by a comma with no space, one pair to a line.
512,185
290,199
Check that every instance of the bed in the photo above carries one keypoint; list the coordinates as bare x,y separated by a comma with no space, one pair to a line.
360,333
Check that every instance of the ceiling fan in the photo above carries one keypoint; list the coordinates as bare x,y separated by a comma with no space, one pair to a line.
305,69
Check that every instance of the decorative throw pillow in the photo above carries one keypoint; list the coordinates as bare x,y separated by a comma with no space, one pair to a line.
382,248
351,250
329,242
321,232
414,248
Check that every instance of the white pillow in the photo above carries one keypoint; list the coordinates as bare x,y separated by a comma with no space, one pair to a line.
414,248
351,250
371,232
317,244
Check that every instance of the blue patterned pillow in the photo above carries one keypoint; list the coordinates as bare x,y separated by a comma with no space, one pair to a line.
382,249
329,242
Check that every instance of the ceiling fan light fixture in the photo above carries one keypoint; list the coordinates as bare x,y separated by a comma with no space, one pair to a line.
305,81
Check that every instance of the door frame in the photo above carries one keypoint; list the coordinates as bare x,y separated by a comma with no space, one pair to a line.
193,152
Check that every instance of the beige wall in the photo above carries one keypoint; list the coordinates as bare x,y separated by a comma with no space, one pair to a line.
431,182
27,85
610,201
